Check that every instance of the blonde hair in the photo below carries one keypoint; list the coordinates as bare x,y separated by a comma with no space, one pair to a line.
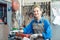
36,5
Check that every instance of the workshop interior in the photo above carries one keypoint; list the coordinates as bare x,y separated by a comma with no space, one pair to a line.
12,22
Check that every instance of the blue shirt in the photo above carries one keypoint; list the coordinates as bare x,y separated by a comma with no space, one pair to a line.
47,27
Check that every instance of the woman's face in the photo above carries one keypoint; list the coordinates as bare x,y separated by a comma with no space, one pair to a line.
37,12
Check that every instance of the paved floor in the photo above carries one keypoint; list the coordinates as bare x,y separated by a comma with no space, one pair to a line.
4,32
56,32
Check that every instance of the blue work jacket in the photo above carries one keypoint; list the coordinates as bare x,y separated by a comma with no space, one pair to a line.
47,28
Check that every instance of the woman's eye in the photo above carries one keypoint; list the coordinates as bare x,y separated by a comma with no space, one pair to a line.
37,10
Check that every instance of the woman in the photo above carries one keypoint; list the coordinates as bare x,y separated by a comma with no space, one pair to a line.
38,26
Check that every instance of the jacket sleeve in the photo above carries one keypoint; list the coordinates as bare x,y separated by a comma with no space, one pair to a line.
48,30
28,29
